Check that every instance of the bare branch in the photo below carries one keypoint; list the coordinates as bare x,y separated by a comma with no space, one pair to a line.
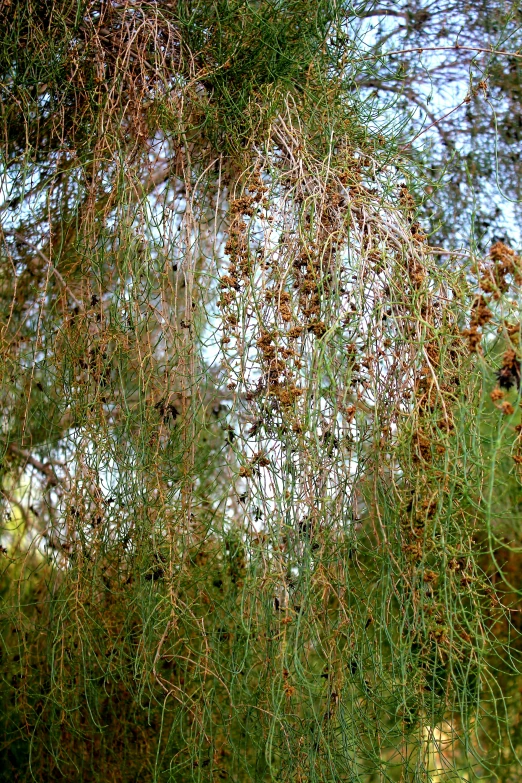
42,467
53,269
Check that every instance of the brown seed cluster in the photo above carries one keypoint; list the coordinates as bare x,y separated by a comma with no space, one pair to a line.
509,374
282,301
278,378
506,263
406,199
237,245
296,292
502,270
517,457
480,315
416,524
416,272
503,264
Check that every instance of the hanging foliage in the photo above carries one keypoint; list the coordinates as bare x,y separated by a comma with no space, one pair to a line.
260,440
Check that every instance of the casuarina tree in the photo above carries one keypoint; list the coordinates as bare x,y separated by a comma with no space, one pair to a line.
260,440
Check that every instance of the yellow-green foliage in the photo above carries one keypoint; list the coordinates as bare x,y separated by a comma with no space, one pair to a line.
269,507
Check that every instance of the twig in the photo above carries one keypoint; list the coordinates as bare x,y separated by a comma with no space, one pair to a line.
454,48
42,467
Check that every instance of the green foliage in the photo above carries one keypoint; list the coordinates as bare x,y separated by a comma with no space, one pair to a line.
258,505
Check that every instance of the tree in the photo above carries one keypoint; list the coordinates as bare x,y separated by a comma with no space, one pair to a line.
452,70
250,476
